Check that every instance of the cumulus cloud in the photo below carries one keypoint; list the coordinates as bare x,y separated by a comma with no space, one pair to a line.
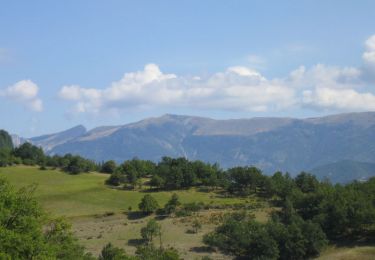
369,60
236,88
341,99
24,92
322,75
369,54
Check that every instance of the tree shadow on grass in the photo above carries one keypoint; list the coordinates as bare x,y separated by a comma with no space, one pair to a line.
161,217
364,238
136,241
133,215
204,189
202,249
151,190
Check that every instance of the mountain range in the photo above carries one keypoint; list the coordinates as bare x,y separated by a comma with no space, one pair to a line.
272,144
345,171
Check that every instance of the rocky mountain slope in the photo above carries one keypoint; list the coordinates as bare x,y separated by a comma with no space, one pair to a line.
270,143
345,171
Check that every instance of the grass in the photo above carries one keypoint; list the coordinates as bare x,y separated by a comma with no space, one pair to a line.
85,200
176,232
85,194
351,253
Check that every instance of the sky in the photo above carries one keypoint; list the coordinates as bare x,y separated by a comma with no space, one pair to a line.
91,62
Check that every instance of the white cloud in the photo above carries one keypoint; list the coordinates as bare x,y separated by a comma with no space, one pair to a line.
245,72
339,88
24,92
369,54
341,99
236,88
322,75
369,60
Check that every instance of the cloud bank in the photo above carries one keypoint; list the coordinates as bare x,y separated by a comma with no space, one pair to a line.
320,87
24,92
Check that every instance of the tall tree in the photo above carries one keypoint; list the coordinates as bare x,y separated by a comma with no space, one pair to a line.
150,231
108,167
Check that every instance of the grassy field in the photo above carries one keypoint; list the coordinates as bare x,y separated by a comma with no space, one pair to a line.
85,200
351,253
86,195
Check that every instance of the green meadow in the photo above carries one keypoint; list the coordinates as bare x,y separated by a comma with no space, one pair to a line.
86,201
86,194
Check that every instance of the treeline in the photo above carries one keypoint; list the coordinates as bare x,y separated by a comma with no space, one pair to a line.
180,173
168,174
29,154
312,214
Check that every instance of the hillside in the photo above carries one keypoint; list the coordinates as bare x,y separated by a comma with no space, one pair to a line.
100,214
50,141
86,194
97,212
269,143
345,171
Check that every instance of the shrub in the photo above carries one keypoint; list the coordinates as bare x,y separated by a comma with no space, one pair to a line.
148,204
110,252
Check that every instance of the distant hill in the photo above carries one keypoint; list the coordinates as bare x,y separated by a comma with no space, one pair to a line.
345,171
50,141
272,144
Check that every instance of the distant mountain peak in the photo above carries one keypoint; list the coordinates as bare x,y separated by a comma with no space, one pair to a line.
48,142
78,127
286,144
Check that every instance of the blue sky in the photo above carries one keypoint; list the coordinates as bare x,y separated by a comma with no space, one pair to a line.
64,63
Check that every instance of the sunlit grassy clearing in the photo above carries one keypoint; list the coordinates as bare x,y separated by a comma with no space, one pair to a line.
351,253
86,194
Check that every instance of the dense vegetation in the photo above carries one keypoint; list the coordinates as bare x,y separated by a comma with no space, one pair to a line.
6,147
5,140
168,174
26,232
312,213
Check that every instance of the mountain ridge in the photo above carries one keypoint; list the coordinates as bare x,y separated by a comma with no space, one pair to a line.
345,171
276,143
